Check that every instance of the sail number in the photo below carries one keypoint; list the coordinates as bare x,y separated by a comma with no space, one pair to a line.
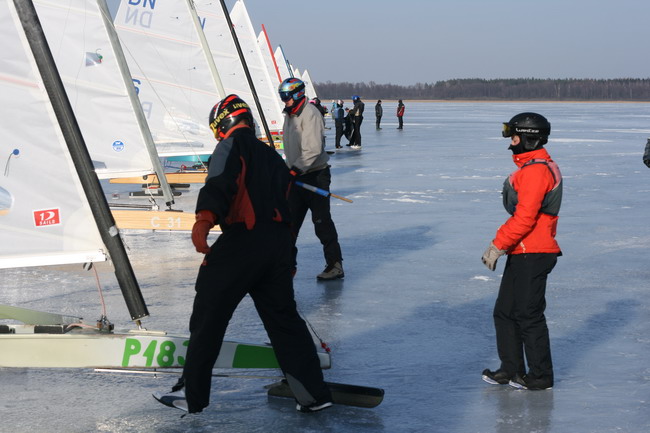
158,353
170,222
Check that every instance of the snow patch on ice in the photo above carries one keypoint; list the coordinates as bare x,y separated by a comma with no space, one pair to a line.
481,278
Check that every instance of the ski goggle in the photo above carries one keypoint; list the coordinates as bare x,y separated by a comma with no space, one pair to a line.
285,96
508,130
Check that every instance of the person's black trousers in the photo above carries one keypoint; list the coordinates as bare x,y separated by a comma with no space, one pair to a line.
339,133
302,200
255,262
356,134
519,315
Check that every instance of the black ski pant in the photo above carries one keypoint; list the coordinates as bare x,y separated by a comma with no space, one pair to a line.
356,134
519,315
339,133
301,201
378,122
400,120
255,262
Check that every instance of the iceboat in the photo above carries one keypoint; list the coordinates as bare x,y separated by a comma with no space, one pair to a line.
53,211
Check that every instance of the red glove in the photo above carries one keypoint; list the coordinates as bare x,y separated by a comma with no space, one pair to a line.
295,171
204,222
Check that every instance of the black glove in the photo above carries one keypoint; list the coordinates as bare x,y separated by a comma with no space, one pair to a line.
295,171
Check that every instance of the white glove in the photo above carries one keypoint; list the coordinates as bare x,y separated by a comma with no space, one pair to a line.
491,255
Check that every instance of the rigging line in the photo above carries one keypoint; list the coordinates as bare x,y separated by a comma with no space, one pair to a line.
323,344
99,289
125,47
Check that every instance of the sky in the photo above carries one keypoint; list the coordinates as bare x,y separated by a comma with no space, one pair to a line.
423,41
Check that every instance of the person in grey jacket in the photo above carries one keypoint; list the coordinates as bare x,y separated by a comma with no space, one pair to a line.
304,150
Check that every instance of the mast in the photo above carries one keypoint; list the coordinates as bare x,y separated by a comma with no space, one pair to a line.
82,161
275,63
286,61
269,137
168,195
206,49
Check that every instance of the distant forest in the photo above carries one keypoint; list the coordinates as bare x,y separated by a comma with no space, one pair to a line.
623,89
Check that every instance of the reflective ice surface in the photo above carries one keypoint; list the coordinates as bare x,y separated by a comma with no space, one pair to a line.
413,315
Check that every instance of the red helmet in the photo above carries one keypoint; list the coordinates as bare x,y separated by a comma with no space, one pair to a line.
227,113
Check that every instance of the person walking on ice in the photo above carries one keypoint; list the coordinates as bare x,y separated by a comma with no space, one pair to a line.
305,154
245,193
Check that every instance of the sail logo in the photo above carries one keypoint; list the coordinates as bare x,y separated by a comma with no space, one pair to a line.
139,17
47,217
118,146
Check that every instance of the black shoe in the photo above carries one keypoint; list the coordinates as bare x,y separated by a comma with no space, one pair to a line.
498,377
175,399
314,407
528,382
338,146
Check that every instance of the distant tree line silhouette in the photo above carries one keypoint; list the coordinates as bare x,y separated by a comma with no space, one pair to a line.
620,89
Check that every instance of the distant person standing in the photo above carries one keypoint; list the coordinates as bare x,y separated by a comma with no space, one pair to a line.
305,154
379,111
321,109
532,196
348,126
357,114
646,154
338,114
400,114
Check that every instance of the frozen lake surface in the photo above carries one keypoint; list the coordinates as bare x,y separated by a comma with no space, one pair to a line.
414,313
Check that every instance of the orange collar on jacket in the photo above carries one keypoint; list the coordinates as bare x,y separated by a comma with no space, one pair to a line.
522,158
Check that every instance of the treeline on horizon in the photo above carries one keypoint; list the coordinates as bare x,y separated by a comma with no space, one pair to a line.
620,89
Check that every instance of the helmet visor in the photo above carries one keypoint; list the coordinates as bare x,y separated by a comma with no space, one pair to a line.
285,96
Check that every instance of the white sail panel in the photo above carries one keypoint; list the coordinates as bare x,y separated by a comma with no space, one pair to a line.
310,91
282,63
44,216
226,58
170,72
267,55
266,89
91,74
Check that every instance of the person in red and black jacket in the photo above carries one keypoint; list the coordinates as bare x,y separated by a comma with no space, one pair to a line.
246,192
532,196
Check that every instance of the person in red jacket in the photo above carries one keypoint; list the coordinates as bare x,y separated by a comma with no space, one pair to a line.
532,196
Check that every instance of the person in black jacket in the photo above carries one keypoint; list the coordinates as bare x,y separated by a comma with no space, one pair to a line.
338,114
245,192
357,115
379,111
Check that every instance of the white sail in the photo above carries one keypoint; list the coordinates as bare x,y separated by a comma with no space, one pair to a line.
267,90
224,52
99,87
171,73
282,63
44,216
265,48
310,91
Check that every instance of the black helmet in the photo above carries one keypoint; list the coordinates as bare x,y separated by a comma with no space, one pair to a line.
533,129
227,113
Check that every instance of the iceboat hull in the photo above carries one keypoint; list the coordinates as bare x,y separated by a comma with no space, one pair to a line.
24,346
